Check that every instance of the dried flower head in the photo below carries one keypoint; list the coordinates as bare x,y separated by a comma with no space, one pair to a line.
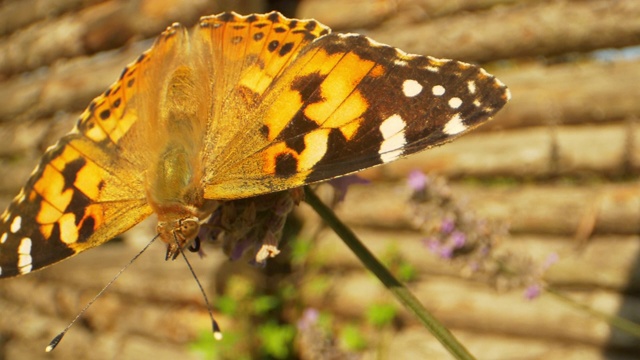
251,226
456,233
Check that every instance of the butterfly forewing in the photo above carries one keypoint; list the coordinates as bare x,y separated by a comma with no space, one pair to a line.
347,103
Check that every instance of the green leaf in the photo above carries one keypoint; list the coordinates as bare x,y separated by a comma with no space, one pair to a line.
277,339
300,249
226,305
352,338
380,315
407,272
227,348
264,304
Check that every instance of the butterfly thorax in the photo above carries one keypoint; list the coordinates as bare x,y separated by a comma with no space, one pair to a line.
172,194
173,178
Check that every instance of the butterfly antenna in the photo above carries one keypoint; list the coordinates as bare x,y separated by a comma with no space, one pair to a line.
217,333
56,340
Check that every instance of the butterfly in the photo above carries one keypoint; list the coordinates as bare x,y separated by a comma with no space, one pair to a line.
237,107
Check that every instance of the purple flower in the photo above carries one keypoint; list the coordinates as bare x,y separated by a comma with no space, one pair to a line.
309,318
446,252
417,180
432,244
240,247
550,260
447,226
458,239
532,291
341,184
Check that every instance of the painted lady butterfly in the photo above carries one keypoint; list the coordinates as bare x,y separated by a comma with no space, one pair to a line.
237,107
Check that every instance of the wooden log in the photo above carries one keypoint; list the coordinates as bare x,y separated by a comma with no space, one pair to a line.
540,28
153,308
64,86
43,43
417,343
465,305
605,262
22,137
568,93
588,151
100,27
353,15
31,332
93,30
541,209
19,14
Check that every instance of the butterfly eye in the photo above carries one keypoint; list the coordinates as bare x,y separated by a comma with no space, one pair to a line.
187,230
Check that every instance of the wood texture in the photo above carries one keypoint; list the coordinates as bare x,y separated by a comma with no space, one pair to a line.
534,29
558,167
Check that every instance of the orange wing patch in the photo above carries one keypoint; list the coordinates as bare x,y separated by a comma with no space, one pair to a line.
253,50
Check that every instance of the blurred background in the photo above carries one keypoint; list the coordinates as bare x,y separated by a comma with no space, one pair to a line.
504,234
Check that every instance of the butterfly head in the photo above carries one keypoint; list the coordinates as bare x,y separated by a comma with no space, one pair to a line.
178,233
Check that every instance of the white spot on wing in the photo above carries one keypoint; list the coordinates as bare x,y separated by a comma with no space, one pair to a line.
24,256
16,224
0,270
411,88
26,268
391,126
21,196
392,130
455,102
471,85
25,246
37,168
454,125
400,62
3,238
438,90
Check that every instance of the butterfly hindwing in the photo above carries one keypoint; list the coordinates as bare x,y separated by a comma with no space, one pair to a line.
70,203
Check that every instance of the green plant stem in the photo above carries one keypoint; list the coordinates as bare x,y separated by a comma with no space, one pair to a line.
400,291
